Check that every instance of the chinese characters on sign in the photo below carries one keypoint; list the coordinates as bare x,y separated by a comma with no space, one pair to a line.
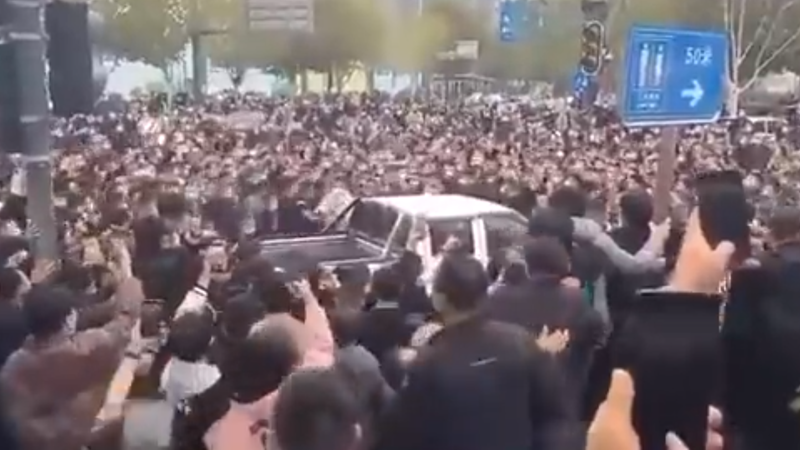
673,76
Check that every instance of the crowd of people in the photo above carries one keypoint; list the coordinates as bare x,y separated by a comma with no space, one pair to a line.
162,325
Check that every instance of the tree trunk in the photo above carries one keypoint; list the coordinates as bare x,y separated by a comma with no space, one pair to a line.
330,79
732,95
236,75
168,78
303,81
370,79
291,76
343,76
338,79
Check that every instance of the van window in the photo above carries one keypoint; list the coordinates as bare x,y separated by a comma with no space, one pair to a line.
373,221
503,230
441,230
764,125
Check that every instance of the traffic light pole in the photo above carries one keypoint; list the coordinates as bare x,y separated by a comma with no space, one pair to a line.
28,35
593,44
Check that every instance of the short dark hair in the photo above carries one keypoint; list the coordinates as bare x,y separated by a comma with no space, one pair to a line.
316,410
170,275
386,283
636,207
190,335
172,205
258,364
569,200
546,255
409,266
552,222
240,313
784,223
462,280
46,309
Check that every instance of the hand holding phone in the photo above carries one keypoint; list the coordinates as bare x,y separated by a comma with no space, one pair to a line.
723,209
217,257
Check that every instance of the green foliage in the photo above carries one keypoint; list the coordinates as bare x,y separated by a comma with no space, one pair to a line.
152,31
377,33
345,31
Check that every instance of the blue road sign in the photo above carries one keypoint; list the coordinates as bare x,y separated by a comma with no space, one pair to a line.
673,76
513,20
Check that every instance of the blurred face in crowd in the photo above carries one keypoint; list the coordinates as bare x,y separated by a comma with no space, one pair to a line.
71,324
10,228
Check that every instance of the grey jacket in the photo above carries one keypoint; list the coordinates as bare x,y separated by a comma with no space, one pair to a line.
646,260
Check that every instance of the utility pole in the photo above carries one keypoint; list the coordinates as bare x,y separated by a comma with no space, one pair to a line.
28,37
198,29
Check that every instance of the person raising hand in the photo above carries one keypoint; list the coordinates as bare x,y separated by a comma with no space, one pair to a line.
612,428
670,378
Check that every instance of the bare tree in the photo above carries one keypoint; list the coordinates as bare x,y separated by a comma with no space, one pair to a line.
758,41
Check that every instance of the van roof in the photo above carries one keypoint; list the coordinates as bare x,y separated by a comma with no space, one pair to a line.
763,119
441,206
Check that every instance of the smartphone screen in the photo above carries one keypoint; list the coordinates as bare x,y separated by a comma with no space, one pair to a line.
723,209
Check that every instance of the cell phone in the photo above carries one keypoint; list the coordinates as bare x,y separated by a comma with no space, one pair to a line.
723,209
217,252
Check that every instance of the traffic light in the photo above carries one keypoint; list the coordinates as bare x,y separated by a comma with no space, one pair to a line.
592,37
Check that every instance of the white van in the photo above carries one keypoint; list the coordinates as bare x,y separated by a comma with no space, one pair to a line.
764,127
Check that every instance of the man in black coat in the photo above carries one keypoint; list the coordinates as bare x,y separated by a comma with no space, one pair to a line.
636,211
544,301
383,326
479,384
761,332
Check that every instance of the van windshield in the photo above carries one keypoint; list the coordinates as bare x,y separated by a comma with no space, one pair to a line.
369,220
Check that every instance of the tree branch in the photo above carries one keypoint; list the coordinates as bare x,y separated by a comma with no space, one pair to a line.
733,68
740,26
767,42
755,38
780,49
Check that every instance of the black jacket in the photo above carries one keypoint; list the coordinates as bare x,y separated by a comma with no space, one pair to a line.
672,347
8,437
479,385
543,301
761,332
195,415
13,330
383,328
